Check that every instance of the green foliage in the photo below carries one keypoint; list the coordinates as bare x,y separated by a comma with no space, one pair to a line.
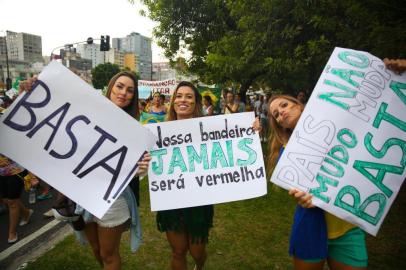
281,43
101,74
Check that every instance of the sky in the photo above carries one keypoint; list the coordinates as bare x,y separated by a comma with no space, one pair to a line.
62,22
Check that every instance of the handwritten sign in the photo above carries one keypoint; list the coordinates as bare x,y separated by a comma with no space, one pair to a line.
349,146
205,161
146,88
74,138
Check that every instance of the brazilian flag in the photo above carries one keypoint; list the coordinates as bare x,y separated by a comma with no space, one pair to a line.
214,93
148,118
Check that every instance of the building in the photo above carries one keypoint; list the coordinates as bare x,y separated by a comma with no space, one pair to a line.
115,57
73,60
130,61
23,47
24,55
141,47
162,71
92,52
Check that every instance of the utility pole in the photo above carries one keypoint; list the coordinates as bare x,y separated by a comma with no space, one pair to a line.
8,79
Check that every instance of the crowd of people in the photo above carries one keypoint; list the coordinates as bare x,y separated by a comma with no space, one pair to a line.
316,236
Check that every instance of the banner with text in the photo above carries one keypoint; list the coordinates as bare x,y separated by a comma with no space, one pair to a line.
349,147
205,160
147,88
75,139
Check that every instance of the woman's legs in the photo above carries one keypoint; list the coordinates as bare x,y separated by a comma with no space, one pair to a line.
109,240
198,252
93,239
105,243
335,265
305,265
179,244
16,210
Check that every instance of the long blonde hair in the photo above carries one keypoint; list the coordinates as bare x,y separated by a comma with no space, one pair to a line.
171,115
279,136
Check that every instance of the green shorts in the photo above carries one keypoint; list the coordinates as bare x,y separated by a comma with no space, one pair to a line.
349,249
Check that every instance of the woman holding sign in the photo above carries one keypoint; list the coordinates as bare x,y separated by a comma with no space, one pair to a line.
104,235
316,235
187,229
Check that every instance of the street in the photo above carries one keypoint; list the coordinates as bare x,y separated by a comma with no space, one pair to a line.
38,231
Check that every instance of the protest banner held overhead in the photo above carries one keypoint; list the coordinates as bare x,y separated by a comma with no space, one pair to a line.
349,146
148,88
73,138
205,160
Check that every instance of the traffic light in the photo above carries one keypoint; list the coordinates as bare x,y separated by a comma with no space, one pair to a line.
104,43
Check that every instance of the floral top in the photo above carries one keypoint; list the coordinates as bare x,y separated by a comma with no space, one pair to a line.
9,167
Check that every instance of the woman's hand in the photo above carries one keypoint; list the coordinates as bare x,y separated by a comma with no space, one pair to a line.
257,125
304,199
26,86
143,165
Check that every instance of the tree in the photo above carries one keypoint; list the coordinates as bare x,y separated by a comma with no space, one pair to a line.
102,73
282,43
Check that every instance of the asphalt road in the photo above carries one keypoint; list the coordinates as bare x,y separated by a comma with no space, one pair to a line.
36,222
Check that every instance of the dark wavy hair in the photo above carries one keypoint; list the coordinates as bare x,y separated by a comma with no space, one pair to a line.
198,106
132,108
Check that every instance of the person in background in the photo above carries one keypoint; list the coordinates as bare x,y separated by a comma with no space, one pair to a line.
187,229
230,106
11,187
157,107
141,105
241,104
301,96
259,106
207,106
104,235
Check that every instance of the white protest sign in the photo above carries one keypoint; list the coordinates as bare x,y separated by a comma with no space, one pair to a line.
166,87
205,160
76,140
349,147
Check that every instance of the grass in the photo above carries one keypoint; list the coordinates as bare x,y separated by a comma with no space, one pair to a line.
251,234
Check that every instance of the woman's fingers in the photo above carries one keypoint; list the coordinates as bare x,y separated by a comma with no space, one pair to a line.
26,86
304,199
257,125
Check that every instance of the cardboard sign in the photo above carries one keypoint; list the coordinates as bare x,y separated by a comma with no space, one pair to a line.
205,160
349,147
75,139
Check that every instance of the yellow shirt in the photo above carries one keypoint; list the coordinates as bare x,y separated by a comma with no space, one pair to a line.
336,227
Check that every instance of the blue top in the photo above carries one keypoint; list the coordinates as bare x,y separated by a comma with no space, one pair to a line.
157,113
308,238
135,226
